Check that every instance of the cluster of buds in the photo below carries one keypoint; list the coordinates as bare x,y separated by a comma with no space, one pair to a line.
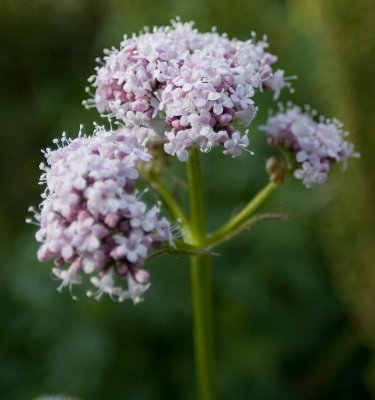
192,86
92,219
314,146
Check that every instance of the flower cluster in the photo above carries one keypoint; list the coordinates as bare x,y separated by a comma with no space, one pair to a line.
197,84
314,145
92,218
191,88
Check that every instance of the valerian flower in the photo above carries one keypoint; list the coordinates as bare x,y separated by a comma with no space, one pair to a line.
92,219
198,84
313,145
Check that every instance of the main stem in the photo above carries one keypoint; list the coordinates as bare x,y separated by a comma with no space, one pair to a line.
201,282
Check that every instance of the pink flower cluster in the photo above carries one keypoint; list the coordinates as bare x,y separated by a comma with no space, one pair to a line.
314,145
197,84
92,219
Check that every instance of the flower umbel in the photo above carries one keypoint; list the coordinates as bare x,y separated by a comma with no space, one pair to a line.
198,84
92,219
314,146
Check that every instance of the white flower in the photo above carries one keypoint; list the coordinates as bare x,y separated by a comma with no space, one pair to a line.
235,144
178,144
131,247
69,277
310,175
104,284
103,197
135,290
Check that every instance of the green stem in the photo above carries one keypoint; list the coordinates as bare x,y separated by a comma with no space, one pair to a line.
174,209
241,219
196,198
201,281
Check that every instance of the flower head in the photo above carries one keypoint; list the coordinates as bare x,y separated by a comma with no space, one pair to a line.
92,219
315,146
198,84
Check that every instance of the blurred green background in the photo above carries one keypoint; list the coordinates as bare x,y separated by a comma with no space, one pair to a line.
294,300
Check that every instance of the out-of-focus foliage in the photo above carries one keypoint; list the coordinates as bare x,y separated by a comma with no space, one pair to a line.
348,54
293,300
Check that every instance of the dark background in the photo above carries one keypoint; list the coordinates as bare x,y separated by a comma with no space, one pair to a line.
294,300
